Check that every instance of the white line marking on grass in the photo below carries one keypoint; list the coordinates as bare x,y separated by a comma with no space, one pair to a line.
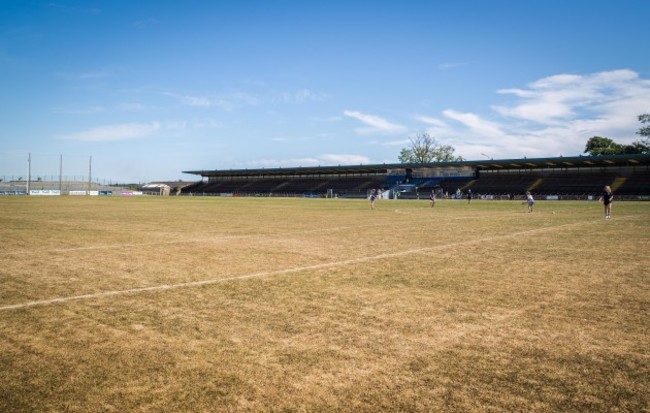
425,219
282,271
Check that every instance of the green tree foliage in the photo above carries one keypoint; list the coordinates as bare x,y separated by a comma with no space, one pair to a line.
636,147
598,145
424,149
644,131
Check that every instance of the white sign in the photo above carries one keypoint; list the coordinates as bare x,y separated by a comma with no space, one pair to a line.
44,192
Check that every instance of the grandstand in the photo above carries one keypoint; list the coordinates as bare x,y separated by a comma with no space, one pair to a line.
578,177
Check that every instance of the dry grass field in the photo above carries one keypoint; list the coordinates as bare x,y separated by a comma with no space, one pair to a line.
322,305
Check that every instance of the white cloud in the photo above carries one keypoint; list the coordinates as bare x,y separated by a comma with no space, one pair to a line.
431,121
227,102
207,124
375,123
278,163
541,111
325,159
344,159
242,98
90,110
123,131
146,22
478,126
399,142
196,101
231,101
131,107
556,99
301,96
552,116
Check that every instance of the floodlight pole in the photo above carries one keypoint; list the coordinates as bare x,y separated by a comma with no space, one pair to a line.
61,173
90,173
29,171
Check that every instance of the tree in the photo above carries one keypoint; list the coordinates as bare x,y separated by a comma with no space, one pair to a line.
637,147
598,145
424,149
645,130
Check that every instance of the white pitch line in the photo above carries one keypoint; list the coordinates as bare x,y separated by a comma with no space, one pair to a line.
282,271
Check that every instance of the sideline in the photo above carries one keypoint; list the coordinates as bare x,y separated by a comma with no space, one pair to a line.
263,274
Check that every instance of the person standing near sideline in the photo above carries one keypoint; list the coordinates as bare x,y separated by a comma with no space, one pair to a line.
373,198
469,196
606,198
530,200
432,197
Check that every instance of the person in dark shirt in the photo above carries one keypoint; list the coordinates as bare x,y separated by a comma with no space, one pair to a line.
607,197
373,198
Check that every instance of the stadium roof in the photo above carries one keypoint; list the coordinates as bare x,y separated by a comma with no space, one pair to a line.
487,164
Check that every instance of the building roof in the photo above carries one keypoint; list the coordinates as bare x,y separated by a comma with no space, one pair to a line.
501,164
171,184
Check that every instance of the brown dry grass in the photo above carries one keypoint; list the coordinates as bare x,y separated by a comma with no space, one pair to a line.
322,306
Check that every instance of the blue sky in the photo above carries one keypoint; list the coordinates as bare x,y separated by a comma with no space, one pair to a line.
152,88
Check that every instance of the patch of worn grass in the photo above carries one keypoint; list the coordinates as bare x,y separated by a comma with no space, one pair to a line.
322,305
